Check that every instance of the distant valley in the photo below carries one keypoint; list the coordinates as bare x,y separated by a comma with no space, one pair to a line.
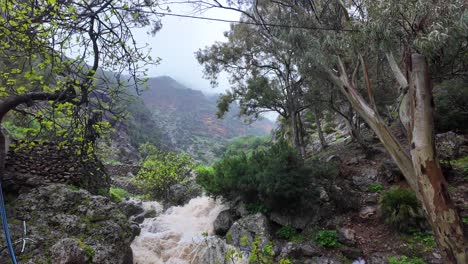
186,119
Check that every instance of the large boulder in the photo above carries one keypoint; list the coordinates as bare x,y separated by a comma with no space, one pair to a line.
298,221
67,225
244,231
131,207
223,222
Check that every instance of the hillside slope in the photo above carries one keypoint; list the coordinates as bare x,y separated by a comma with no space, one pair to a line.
188,118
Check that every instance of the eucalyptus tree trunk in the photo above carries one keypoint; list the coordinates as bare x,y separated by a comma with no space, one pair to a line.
440,210
422,169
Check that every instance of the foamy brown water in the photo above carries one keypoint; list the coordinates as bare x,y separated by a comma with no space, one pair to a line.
176,236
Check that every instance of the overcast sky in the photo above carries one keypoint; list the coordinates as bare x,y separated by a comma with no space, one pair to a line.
180,38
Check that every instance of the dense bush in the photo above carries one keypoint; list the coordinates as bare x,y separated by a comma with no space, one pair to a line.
276,176
118,194
401,209
162,170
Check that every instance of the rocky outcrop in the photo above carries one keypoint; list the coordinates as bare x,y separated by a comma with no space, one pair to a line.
244,231
33,164
223,222
66,225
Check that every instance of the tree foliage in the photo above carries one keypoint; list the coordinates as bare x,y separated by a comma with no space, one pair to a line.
276,176
162,170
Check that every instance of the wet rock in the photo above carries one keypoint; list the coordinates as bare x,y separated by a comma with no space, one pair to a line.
138,218
178,194
131,207
247,229
55,213
67,251
347,236
215,251
136,230
223,222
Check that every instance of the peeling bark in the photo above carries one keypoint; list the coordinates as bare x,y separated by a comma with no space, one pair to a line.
440,210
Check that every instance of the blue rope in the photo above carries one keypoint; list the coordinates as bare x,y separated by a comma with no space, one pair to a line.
3,215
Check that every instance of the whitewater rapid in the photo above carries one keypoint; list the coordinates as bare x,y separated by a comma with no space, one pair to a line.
178,235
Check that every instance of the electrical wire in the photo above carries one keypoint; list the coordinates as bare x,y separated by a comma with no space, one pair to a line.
253,23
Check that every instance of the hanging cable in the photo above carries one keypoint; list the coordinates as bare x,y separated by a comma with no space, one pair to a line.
6,230
254,23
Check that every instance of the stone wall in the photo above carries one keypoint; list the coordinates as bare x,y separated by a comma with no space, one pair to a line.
44,163
122,170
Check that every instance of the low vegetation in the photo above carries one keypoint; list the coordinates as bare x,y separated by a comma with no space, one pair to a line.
327,238
401,209
276,177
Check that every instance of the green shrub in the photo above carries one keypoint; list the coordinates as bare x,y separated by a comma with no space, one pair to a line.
276,177
327,238
405,260
162,170
286,232
465,220
401,209
376,188
426,239
118,194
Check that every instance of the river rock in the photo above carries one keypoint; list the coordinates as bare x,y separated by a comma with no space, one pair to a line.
248,228
223,222
138,218
66,223
131,207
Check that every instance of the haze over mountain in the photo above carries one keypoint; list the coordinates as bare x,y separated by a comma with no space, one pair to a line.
187,118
